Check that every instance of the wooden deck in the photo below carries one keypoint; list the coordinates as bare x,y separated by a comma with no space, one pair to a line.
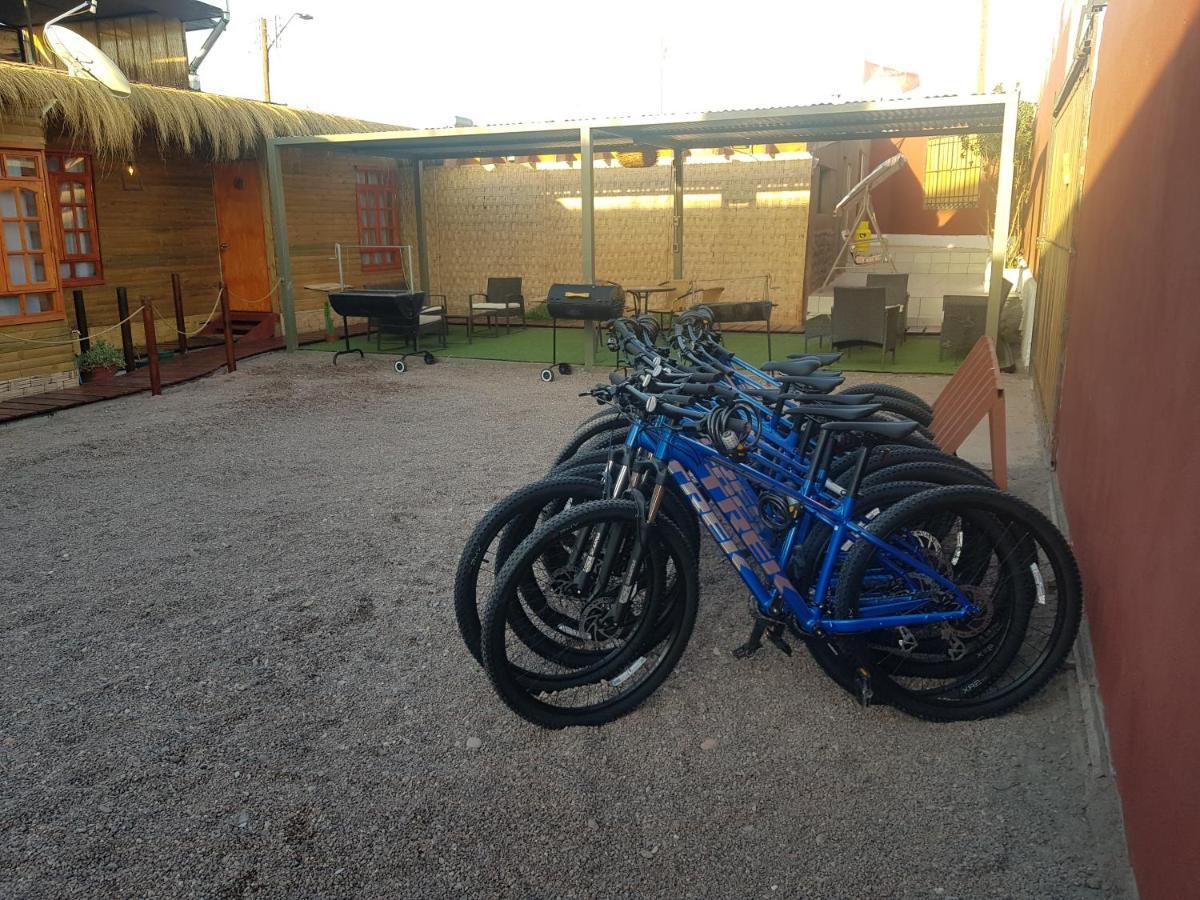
176,370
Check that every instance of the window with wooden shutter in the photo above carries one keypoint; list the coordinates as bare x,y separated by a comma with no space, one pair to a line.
73,192
28,281
378,219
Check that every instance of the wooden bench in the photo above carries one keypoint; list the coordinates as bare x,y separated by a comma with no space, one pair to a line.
974,392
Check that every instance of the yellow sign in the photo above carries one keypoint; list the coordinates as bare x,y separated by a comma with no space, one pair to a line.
862,238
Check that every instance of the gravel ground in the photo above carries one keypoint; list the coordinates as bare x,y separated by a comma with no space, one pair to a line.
231,669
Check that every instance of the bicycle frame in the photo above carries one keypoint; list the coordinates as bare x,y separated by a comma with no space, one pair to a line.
718,491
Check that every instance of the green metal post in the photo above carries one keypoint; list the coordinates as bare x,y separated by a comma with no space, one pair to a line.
1004,185
283,254
677,215
587,179
422,244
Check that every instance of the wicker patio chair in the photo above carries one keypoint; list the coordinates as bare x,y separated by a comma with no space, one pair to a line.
819,327
431,319
897,295
861,315
503,300
964,320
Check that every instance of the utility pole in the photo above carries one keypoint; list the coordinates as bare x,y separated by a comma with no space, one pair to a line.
266,59
981,79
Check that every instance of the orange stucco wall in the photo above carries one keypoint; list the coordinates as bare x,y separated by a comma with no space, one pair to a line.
1128,425
900,201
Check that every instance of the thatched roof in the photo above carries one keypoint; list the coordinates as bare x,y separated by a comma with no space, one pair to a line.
212,126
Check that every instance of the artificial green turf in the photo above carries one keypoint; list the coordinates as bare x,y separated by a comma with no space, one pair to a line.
919,353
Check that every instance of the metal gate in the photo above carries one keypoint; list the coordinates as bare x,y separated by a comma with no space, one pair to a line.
1063,192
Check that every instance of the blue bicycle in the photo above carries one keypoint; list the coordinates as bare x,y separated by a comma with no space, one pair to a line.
948,603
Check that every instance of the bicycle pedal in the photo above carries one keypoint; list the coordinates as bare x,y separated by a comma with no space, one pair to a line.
862,684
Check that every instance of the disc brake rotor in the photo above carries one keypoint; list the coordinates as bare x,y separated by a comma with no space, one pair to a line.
595,622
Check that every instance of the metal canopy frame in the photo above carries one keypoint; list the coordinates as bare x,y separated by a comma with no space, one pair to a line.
862,120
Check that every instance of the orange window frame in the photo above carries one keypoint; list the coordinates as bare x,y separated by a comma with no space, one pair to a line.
15,239
69,230
378,214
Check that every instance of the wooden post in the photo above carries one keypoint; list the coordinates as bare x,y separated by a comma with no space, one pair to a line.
227,325
180,323
81,320
266,59
997,436
126,331
151,349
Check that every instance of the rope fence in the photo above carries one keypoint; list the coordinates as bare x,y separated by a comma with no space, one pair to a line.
75,334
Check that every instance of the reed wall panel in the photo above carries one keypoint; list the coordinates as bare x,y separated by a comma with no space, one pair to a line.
742,221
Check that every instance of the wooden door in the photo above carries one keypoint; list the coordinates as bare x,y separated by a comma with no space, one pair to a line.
1064,191
242,235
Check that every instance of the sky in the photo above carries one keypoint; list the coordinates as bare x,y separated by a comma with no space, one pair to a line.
422,63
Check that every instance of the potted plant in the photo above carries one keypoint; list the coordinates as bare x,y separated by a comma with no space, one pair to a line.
99,361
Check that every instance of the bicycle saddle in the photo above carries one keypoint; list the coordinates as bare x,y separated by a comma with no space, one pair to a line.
883,429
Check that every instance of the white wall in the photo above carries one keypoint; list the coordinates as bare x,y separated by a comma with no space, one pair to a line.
936,265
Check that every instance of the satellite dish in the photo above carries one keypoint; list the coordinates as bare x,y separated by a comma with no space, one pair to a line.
83,58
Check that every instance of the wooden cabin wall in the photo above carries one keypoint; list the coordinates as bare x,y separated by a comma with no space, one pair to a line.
321,210
27,368
147,48
161,220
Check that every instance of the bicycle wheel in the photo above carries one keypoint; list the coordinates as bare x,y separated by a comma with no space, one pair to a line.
596,428
918,413
606,413
932,472
675,503
887,455
897,393
481,557
807,558
1029,597
504,527
547,623
615,591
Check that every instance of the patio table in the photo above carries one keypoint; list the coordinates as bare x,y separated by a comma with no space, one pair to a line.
641,296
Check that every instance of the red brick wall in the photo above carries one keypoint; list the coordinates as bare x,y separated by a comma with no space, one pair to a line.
1129,429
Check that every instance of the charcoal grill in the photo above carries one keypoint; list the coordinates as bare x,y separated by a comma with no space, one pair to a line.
400,310
589,302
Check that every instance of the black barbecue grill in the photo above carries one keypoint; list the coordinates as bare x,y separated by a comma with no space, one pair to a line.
590,302
399,310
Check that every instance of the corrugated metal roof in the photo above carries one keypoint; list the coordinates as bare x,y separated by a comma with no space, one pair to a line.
853,120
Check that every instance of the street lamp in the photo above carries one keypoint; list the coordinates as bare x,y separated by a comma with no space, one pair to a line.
268,45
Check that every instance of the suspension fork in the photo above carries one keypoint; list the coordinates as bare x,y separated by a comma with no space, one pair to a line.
656,496
620,481
625,477
617,533
587,542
